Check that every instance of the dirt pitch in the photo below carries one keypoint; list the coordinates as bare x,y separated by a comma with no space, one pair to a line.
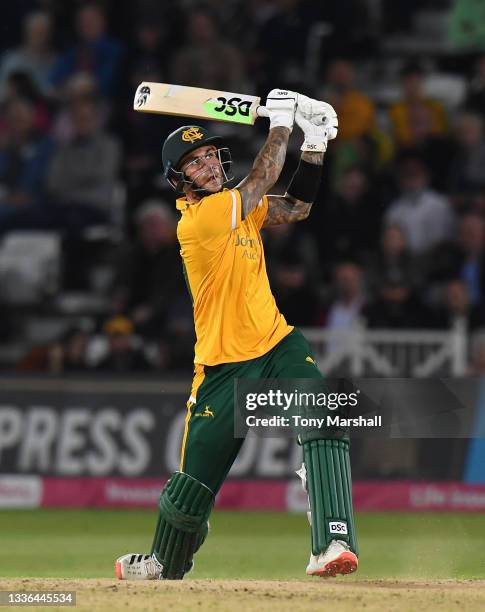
263,595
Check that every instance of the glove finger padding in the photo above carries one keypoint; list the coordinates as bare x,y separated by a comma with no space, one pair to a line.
281,106
319,113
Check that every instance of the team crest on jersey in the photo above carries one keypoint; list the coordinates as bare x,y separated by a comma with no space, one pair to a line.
192,134
143,96
207,412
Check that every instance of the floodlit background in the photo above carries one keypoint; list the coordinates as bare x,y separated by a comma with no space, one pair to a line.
386,278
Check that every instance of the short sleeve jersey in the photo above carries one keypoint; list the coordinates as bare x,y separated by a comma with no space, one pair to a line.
235,313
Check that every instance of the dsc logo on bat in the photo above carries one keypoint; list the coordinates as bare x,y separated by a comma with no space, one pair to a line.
233,106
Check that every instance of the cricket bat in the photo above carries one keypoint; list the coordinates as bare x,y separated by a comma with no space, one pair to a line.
166,99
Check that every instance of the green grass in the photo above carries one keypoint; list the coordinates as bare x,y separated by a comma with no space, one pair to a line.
84,543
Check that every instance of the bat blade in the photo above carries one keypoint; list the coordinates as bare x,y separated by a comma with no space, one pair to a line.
183,101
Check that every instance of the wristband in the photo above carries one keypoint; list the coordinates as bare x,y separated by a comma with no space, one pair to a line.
305,182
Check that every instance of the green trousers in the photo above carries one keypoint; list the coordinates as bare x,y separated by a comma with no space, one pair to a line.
209,447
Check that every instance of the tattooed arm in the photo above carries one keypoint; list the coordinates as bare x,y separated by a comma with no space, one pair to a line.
287,209
265,171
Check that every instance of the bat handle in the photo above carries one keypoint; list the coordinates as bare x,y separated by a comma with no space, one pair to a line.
262,111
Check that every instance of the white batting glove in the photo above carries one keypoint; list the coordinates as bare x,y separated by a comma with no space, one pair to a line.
319,113
281,106
316,136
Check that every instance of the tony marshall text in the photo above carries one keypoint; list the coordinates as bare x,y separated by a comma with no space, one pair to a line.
299,421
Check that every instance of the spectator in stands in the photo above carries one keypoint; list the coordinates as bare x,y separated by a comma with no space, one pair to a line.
458,308
35,57
24,159
355,110
358,143
141,131
125,350
464,259
408,110
348,222
80,87
145,60
149,277
392,263
95,52
20,85
70,354
397,306
475,100
84,172
295,294
467,173
424,215
234,17
210,60
349,298
472,254
175,344
66,355
289,237
477,365
435,149
478,203
281,42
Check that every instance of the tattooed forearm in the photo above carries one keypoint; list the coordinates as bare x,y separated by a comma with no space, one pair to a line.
285,209
266,169
288,209
313,158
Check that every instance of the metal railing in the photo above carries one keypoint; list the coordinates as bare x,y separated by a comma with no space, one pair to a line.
358,351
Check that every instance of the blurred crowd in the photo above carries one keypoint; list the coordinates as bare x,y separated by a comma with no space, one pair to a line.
396,237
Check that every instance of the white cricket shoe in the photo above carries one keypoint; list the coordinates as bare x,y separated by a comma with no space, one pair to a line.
138,567
336,559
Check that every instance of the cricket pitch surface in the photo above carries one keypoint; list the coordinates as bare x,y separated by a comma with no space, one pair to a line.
260,595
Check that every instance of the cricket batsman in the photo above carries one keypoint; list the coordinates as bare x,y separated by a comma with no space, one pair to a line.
241,333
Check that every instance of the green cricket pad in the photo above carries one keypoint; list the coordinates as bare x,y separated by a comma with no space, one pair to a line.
329,488
185,506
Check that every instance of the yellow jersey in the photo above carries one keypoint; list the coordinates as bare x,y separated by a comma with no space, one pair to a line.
356,115
404,115
235,313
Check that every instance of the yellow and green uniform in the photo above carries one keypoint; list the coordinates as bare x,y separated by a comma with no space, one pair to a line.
240,334
240,331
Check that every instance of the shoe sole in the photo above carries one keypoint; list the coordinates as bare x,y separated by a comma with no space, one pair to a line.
345,563
118,570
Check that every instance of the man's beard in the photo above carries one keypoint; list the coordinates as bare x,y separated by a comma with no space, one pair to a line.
213,176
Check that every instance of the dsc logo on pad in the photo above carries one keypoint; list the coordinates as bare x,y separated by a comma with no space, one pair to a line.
339,527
